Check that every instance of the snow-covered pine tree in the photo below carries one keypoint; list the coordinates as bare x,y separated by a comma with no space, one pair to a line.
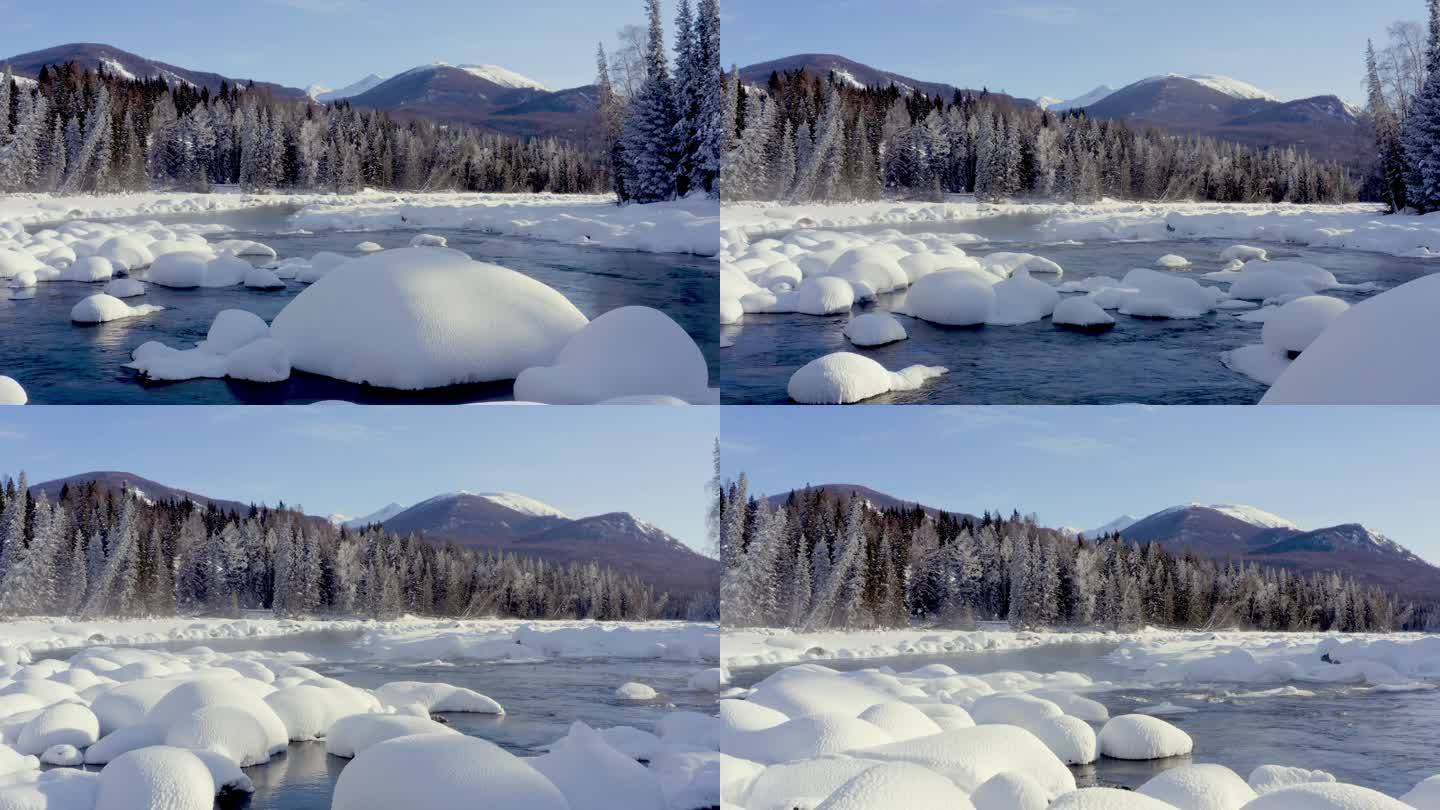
651,139
705,79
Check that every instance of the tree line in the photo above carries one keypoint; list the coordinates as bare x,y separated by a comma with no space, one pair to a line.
802,138
96,552
815,560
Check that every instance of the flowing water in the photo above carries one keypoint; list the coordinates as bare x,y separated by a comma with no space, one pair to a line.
1382,740
63,363
1162,362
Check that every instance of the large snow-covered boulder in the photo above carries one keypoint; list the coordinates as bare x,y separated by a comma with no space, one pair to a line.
1072,739
821,295
309,711
844,377
805,737
876,266
591,773
1012,709
952,298
630,351
175,710
874,329
156,778
61,724
88,269
1266,778
1082,314
1326,796
1261,280
1021,299
1011,790
1425,795
181,269
901,720
1200,787
18,261
1103,798
443,772
1171,261
128,251
1371,354
233,732
1139,736
350,735
124,288
1163,295
99,308
1244,253
419,318
898,784
11,393
436,697
1297,324
970,756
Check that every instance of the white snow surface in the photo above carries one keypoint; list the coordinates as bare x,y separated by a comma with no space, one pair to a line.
845,377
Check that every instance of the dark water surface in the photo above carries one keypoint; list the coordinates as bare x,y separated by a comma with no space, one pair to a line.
63,363
1162,362
1382,740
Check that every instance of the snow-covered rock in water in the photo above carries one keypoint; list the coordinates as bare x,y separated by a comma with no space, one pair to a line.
11,393
238,345
1274,777
1261,280
1200,787
156,778
265,361
1259,362
1081,314
920,265
874,329
437,697
1425,795
62,754
1170,261
690,729
354,733
12,761
957,298
58,789
788,785
61,724
746,715
1138,736
1072,739
17,261
1102,798
427,240
126,251
709,680
1021,299
592,774
124,288
876,266
902,721
122,740
898,784
308,712
1012,709
1011,790
100,308
419,318
635,691
1162,295
1328,796
88,269
258,278
1243,253
181,269
1369,354
1005,264
844,377
731,311
1296,325
821,295
225,773
236,733
630,351
443,772
805,737
244,247
970,756
1074,705
23,280
369,247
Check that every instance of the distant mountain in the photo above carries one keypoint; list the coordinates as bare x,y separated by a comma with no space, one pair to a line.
1118,524
126,65
486,96
857,74
1215,531
115,481
1058,105
322,93
381,515
877,499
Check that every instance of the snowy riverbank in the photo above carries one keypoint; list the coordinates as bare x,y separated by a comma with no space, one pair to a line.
178,726
405,638
1356,226
683,226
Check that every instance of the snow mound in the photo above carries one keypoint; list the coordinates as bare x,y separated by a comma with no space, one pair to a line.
124,288
1082,313
1100,798
1170,261
308,711
1021,299
442,772
635,691
874,329
61,724
63,755
258,278
805,737
1200,787
427,240
264,733
1263,280
1425,795
100,308
902,721
844,377
11,393
419,318
1328,796
1162,295
1274,777
1012,709
1011,790
823,295
970,756
436,697
898,784
88,269
238,345
243,247
630,351
1070,738
349,736
157,778
952,298
1243,253
1297,324
369,247
1138,736
590,773
119,741
1367,355
236,733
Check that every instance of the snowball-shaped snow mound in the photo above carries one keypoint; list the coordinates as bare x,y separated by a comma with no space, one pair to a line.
630,351
1244,253
1200,787
436,697
1080,313
1011,790
1273,777
1072,739
1138,736
1098,798
156,778
235,733
874,329
845,377
427,240
443,772
898,784
352,734
61,724
11,393
124,288
952,298
823,295
1012,709
805,737
418,318
635,691
1369,355
1326,796
900,720
970,756
1297,324
588,771
100,308
1170,261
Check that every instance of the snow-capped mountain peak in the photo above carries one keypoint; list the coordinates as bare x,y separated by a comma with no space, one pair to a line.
1119,524
1061,105
522,504
1221,84
1254,516
380,515
322,93
494,74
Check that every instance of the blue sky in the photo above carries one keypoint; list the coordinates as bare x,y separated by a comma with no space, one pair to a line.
1083,466
334,42
1063,48
653,462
